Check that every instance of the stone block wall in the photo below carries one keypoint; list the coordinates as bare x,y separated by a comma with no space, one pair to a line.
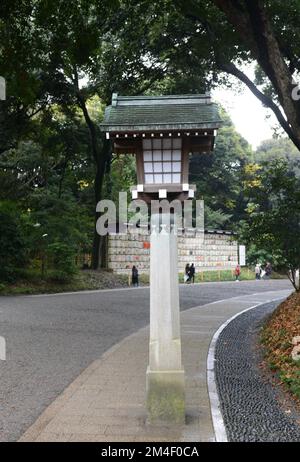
211,251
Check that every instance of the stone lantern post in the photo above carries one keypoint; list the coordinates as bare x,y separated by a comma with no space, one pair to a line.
162,132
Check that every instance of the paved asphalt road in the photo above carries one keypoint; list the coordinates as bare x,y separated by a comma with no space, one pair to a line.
51,339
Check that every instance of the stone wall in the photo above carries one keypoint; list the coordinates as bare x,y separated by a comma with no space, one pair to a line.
211,251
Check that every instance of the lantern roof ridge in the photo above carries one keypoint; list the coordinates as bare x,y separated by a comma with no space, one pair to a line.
149,100
163,112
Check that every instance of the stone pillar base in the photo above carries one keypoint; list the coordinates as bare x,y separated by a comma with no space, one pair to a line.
165,397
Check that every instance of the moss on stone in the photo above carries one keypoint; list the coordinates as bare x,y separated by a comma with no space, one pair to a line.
166,402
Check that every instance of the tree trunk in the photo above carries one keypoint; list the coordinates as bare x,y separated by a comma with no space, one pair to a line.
99,241
101,154
250,19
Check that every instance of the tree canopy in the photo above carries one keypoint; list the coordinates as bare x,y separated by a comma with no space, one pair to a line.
212,39
63,59
270,225
219,177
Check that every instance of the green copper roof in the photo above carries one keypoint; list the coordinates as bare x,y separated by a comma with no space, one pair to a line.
138,113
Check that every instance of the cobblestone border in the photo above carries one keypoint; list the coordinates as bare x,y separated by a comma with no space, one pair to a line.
248,403
218,422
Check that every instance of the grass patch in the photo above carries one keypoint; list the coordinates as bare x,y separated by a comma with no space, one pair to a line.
31,282
220,275
276,338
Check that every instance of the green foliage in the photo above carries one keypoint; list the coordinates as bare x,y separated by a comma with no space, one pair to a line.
62,257
13,250
59,229
53,160
215,219
121,176
219,175
60,219
293,383
258,255
273,223
278,149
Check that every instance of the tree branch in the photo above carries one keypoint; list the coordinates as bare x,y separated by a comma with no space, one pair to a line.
88,120
230,68
253,24
291,276
238,16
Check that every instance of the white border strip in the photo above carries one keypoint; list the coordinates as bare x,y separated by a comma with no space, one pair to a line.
217,418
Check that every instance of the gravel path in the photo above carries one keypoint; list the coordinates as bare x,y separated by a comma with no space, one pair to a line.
250,405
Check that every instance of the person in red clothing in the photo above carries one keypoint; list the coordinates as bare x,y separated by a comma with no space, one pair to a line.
237,272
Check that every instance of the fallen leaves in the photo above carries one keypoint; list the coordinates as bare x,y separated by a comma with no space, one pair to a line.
277,337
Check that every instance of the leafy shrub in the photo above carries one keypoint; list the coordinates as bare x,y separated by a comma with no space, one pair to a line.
62,259
13,251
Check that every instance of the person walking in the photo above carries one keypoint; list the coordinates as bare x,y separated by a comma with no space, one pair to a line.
135,276
257,271
268,270
192,273
237,273
187,272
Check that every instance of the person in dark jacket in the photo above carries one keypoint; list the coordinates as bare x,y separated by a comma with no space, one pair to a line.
192,273
135,276
268,270
187,273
